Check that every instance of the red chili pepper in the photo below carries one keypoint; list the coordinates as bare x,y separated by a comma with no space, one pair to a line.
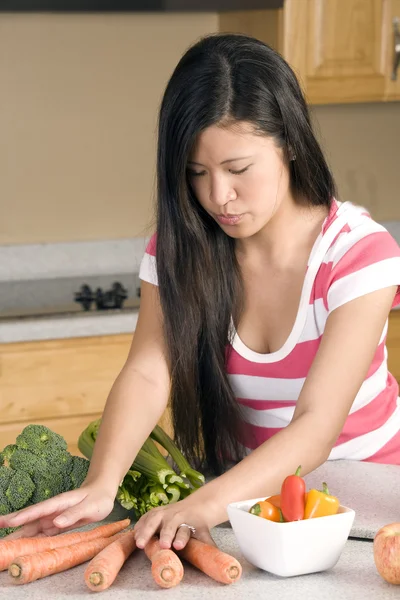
293,497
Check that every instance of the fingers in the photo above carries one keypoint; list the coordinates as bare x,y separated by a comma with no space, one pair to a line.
43,509
182,537
147,526
86,511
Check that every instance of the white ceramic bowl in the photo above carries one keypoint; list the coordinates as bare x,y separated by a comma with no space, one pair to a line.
294,548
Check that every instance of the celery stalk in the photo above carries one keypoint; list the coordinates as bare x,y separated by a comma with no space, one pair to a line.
157,495
159,435
174,493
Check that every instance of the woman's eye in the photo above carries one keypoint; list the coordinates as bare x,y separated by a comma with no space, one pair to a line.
195,173
239,172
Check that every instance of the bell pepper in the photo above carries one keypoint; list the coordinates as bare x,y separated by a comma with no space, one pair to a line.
320,503
275,500
293,497
266,510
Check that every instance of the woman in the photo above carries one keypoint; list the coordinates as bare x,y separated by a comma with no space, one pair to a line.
264,305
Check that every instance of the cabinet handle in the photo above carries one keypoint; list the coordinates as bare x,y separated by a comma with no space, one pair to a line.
396,53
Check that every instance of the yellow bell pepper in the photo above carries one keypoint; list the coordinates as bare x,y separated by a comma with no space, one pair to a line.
320,503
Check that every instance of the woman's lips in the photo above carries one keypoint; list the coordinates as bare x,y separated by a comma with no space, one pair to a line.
228,219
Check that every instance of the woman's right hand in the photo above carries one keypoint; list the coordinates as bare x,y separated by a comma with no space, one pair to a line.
90,503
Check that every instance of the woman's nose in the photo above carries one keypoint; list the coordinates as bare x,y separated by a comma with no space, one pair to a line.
221,193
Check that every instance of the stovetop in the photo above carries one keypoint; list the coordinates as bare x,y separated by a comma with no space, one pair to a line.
86,295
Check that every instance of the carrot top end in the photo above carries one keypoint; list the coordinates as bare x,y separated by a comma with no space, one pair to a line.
96,578
15,570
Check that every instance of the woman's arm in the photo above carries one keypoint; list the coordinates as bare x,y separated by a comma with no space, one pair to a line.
345,354
135,404
137,399
351,336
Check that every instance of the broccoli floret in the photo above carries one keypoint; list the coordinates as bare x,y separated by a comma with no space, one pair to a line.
5,477
20,490
7,453
47,487
5,506
40,440
80,467
59,462
24,460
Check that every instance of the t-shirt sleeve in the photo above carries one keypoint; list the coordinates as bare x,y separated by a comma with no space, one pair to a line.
148,266
369,264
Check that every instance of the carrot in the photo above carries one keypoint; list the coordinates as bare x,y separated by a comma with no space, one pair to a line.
212,561
23,546
25,569
166,568
105,566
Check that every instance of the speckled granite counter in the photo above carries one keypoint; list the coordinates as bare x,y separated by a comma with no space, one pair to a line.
353,578
371,489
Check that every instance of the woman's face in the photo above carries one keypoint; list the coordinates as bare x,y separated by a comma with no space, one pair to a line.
240,178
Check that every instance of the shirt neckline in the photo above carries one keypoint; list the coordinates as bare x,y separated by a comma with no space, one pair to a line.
329,229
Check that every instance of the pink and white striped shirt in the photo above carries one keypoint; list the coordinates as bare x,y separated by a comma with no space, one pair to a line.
352,256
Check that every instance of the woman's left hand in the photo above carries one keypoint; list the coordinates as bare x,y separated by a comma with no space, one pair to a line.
165,520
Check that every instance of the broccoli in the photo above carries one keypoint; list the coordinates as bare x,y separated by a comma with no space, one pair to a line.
20,490
80,467
5,507
5,477
7,453
40,440
37,467
47,487
23,460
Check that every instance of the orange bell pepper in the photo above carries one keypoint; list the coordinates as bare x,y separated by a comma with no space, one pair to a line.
266,510
275,500
320,503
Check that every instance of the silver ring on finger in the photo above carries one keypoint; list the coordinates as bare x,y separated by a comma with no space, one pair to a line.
192,529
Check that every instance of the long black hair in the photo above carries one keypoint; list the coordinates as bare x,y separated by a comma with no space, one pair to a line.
222,78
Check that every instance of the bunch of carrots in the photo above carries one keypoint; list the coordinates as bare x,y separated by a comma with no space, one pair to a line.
107,547
294,503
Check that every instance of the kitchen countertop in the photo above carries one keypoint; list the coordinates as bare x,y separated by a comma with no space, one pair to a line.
353,577
68,326
372,490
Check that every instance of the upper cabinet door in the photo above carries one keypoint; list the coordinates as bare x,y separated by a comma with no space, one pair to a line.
337,48
392,50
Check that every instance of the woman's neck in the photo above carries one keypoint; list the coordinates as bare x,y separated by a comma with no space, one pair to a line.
289,234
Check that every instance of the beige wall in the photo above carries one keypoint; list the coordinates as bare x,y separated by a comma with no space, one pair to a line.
78,103
362,145
79,96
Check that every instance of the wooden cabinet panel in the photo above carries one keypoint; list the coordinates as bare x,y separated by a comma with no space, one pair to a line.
69,427
341,50
392,87
48,379
62,384
338,50
393,344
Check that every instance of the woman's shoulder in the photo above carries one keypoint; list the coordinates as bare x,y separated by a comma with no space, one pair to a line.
151,245
363,257
359,234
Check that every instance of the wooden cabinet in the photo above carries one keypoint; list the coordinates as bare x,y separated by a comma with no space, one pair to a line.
392,89
62,384
393,344
341,50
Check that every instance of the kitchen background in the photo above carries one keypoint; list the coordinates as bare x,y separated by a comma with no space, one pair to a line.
79,100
